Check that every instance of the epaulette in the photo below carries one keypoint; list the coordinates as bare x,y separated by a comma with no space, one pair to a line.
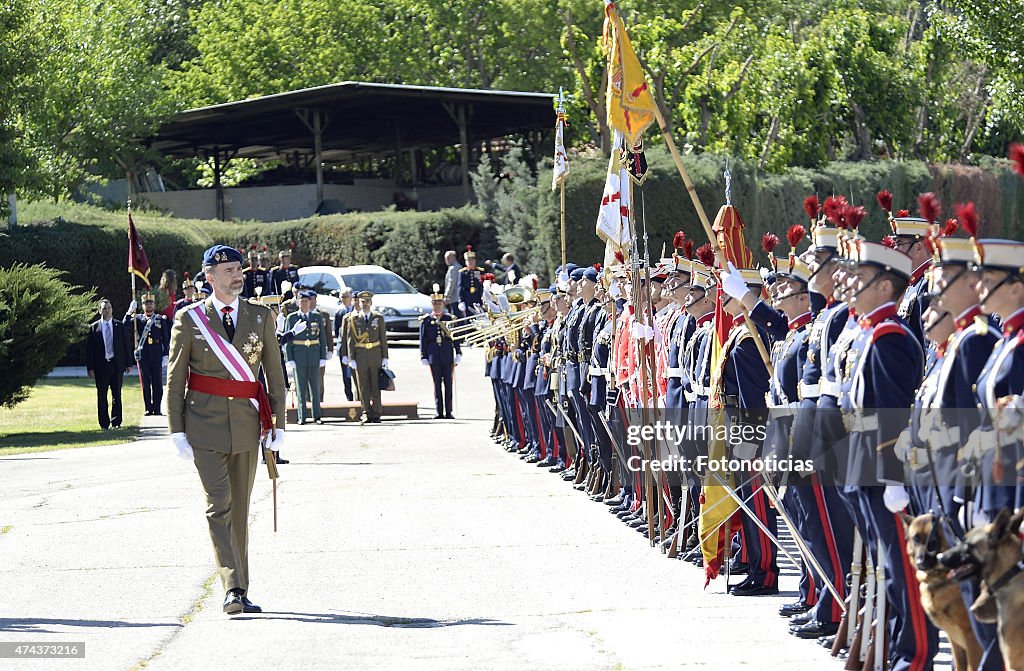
885,328
981,325
423,316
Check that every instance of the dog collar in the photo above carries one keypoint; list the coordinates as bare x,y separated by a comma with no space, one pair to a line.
1004,579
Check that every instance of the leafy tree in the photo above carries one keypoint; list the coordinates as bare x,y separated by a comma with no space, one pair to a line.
30,348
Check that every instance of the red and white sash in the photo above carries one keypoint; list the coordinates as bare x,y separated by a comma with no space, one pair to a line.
225,351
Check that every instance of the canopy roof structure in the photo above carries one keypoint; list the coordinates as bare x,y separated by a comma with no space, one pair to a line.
349,120
355,118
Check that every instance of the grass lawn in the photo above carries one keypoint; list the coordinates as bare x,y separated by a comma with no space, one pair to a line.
61,414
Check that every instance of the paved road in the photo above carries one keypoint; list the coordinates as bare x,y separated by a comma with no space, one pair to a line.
404,545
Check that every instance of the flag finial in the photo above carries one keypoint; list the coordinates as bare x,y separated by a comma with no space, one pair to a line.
728,183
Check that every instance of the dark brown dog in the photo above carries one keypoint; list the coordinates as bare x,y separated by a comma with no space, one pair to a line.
994,552
940,594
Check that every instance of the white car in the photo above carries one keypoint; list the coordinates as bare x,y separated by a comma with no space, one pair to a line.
400,303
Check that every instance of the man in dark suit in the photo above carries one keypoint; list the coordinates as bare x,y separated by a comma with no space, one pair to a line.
108,354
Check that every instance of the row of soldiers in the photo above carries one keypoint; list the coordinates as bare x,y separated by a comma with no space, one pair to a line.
891,370
259,279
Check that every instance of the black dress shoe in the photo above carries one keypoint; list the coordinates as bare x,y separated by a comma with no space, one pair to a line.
743,584
375,420
157,413
301,422
449,416
828,642
233,603
249,606
438,416
546,462
532,459
280,460
815,630
739,568
559,467
800,620
614,501
795,608
757,590
569,474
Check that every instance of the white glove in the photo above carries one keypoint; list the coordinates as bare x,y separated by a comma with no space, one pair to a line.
344,360
733,284
972,449
352,364
163,362
323,362
290,365
180,442
337,349
902,447
458,358
277,442
384,363
1011,414
462,307
425,362
132,306
299,327
896,498
330,355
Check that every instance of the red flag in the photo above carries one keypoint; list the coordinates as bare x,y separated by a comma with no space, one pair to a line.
137,261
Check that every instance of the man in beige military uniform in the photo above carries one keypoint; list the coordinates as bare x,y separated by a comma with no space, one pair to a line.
366,346
213,389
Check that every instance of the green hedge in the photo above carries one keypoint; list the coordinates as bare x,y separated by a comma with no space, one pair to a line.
768,202
90,244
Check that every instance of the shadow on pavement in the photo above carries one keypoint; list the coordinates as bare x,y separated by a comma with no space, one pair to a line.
376,620
37,625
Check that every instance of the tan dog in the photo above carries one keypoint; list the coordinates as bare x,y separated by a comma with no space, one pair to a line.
940,594
994,552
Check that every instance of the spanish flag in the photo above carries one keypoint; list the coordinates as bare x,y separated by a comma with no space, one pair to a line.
630,104
138,264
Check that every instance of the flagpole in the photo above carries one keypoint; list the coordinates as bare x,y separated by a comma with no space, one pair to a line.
561,213
135,330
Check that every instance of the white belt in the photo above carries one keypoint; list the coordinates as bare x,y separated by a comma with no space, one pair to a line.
830,388
859,423
699,389
673,372
784,409
944,438
690,396
809,390
598,372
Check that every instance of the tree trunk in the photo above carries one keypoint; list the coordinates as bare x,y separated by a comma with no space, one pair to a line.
594,102
773,132
861,134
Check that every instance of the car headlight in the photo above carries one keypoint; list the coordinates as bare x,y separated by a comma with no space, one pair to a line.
390,312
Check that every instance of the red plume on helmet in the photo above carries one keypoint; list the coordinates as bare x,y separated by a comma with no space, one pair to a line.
884,199
706,255
929,207
469,248
795,235
536,283
812,207
967,217
688,249
619,256
291,245
889,241
597,267
677,240
853,215
950,228
903,213
253,246
833,209
1017,156
185,276
769,241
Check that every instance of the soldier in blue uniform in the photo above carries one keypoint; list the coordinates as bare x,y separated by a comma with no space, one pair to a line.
992,450
440,352
909,235
745,384
188,287
471,283
154,341
546,388
880,374
256,280
283,272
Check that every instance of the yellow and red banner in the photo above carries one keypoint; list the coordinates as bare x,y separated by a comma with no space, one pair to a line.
631,107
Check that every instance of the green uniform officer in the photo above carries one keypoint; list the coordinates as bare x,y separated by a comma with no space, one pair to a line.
305,357
366,346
